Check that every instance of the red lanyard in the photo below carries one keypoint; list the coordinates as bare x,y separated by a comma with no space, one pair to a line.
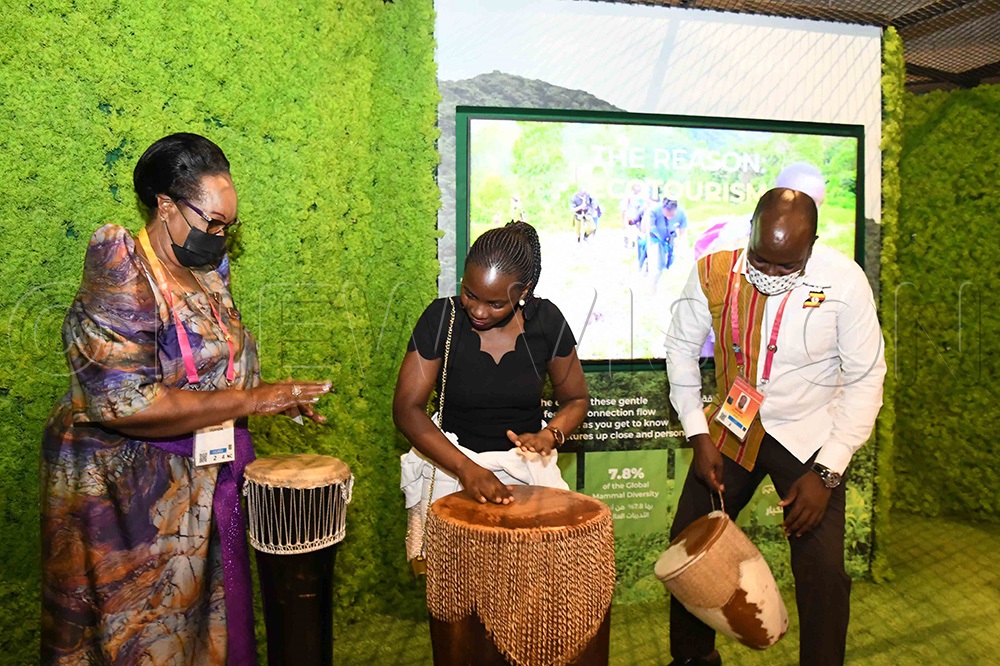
734,319
182,337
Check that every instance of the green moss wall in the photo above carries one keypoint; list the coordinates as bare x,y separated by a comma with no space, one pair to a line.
327,112
947,306
893,96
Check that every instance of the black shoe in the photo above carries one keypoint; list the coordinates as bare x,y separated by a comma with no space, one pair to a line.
714,659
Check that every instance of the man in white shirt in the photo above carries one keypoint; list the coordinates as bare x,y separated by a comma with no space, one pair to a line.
806,336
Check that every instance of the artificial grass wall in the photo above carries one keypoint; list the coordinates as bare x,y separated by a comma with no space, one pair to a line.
893,95
946,305
327,112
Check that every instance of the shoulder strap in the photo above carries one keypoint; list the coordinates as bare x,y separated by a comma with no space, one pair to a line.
444,363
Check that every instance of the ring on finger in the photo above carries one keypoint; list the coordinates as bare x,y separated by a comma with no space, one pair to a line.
296,391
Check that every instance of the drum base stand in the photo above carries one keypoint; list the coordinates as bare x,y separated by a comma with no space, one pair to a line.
298,606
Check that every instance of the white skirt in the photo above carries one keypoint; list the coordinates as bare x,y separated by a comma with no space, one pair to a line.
512,467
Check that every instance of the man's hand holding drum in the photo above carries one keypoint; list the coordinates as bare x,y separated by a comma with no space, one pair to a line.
708,465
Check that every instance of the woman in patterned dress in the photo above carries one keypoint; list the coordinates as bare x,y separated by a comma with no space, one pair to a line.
144,557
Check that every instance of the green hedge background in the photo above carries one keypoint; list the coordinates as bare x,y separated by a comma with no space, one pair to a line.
946,305
327,111
893,96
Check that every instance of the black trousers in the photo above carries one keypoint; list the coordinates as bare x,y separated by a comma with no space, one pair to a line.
822,586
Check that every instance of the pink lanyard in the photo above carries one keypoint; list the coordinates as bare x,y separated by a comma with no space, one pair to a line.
182,337
734,319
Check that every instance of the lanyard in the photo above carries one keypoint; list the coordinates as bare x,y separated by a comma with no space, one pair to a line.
182,337
734,320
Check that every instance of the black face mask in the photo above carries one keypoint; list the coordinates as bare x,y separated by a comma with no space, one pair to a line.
200,250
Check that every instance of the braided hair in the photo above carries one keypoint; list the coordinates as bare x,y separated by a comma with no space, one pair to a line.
512,249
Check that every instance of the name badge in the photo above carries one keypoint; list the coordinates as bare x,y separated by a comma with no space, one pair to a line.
215,444
740,408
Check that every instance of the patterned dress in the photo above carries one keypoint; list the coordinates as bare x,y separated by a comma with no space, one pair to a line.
131,559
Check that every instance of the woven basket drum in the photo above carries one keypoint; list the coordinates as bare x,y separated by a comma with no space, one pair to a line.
526,583
723,580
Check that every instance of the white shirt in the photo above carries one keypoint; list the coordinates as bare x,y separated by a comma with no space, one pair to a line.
826,381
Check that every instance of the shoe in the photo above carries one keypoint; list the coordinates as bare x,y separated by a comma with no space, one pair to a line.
714,659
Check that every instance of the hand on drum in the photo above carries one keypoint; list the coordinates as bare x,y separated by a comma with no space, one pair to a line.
288,397
537,442
483,486
808,498
708,465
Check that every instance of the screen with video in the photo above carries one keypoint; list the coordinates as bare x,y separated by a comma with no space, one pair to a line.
625,204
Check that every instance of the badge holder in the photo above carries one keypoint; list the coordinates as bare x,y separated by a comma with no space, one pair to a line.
215,444
740,408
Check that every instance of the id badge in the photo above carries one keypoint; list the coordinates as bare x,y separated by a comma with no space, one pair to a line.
215,444
740,408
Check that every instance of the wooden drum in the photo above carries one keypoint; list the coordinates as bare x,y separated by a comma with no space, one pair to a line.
723,580
526,583
296,506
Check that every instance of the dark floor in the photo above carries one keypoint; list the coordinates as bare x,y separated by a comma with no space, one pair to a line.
942,606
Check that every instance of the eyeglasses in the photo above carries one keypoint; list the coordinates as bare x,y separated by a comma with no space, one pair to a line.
214,225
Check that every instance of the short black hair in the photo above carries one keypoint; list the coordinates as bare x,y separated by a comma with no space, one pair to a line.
174,166
513,249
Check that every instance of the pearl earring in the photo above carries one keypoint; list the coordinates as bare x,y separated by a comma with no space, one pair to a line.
521,302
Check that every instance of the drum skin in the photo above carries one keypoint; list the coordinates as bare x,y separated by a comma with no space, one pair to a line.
723,580
525,583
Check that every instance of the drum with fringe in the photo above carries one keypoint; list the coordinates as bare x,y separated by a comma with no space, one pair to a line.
525,583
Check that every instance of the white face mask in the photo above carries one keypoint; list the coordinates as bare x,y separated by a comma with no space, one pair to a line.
771,285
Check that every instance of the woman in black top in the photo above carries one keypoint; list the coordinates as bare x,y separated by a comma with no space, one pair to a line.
504,342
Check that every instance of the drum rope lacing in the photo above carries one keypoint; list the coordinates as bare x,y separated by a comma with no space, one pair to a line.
286,521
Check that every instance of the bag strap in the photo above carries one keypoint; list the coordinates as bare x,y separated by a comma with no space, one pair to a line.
444,379
444,365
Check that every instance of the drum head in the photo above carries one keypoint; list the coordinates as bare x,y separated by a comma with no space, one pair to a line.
534,508
690,545
297,470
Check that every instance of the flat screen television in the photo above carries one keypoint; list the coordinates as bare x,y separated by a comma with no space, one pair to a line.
591,183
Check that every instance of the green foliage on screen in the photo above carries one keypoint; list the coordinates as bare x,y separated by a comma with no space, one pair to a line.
544,163
947,314
327,112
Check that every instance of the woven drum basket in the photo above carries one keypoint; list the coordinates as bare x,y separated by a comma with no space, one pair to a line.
723,580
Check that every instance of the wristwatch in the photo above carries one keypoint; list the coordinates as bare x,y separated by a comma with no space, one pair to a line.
830,478
558,434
